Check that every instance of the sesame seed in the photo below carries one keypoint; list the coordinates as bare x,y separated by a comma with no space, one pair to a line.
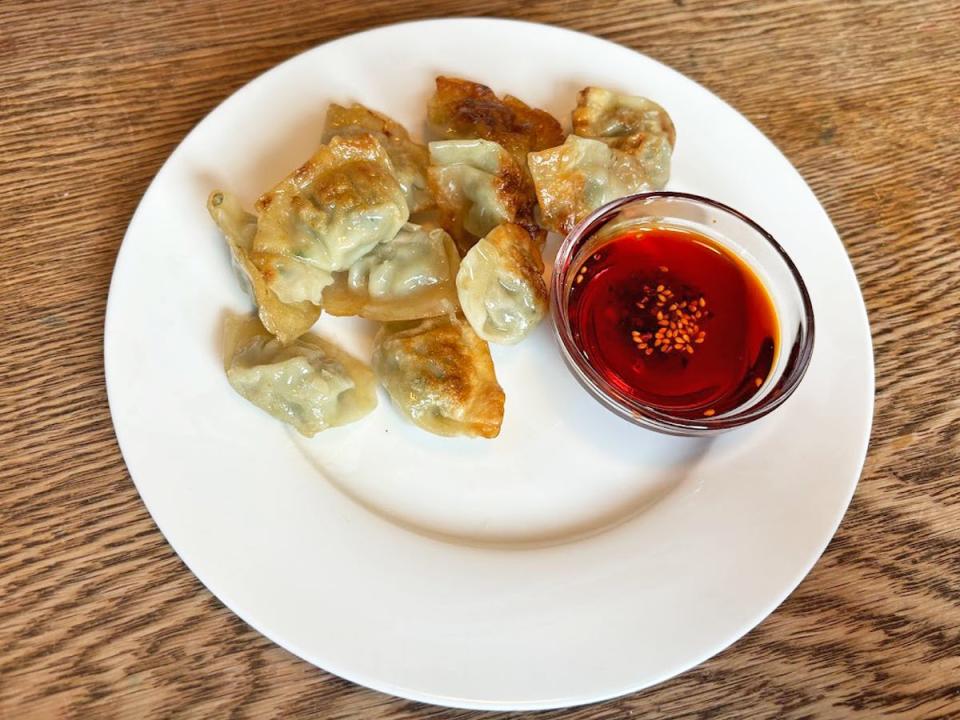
675,316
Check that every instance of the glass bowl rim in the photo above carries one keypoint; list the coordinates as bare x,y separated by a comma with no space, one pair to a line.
641,413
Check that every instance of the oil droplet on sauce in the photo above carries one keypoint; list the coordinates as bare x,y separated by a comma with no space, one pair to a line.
674,320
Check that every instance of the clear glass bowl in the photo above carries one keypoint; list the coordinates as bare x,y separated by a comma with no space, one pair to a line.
736,232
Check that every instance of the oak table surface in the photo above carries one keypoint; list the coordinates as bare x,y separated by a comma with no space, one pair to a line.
100,619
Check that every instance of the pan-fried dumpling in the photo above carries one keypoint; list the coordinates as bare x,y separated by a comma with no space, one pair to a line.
576,178
622,145
287,321
500,285
462,109
478,185
329,213
440,375
311,384
409,277
625,122
409,159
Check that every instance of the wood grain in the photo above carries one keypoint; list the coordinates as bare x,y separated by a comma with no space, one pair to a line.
99,619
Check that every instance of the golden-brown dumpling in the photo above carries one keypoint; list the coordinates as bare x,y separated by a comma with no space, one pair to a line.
624,122
310,384
409,277
478,185
287,321
621,145
440,375
409,159
500,285
330,212
576,178
462,109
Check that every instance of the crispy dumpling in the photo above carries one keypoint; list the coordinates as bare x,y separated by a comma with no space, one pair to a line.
463,109
576,178
621,145
409,277
409,159
311,384
500,285
287,321
624,122
329,213
478,185
440,375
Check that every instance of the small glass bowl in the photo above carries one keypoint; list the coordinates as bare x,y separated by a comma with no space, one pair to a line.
734,231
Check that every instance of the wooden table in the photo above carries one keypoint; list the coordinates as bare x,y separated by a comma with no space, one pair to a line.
99,618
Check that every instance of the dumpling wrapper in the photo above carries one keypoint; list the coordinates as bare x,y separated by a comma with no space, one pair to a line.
624,122
478,185
576,178
440,375
501,287
310,384
330,212
409,159
287,321
462,109
410,277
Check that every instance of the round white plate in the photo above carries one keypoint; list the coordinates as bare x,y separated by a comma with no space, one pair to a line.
572,559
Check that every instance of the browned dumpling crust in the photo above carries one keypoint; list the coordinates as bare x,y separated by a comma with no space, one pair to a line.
334,208
624,122
576,178
286,321
621,145
440,375
409,158
478,185
464,109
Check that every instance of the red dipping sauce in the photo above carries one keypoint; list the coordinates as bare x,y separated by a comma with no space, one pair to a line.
674,320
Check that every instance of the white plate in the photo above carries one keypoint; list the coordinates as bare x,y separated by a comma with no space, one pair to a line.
574,558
